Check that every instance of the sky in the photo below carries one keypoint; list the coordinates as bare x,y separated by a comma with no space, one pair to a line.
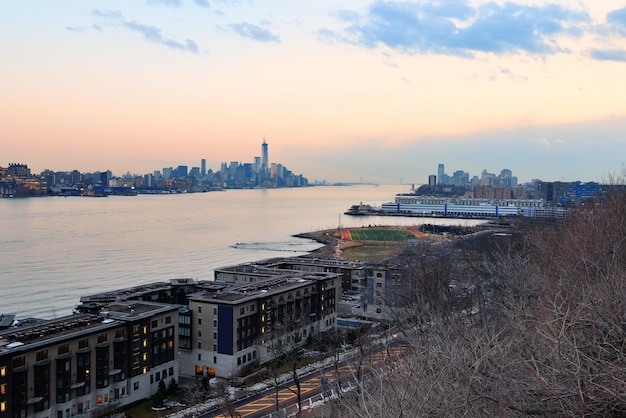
350,90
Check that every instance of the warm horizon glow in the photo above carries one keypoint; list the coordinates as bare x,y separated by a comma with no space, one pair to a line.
380,90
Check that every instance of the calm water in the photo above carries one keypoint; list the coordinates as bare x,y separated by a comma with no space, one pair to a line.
54,250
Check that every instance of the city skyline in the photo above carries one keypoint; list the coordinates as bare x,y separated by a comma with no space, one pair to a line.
367,91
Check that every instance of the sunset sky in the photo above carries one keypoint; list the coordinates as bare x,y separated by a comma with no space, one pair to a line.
344,90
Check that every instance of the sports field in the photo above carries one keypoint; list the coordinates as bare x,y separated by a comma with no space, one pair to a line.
381,235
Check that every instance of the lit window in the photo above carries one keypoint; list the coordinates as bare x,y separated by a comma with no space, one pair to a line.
3,389
3,406
3,371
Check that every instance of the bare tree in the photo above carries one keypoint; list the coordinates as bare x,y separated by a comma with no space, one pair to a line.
551,339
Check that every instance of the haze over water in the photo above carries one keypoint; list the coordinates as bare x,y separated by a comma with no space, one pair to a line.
54,250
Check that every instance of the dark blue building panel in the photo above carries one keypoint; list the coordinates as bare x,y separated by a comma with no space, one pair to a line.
225,330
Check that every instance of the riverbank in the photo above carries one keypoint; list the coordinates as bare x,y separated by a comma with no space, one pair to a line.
336,247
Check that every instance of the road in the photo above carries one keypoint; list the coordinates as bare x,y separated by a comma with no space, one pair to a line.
314,386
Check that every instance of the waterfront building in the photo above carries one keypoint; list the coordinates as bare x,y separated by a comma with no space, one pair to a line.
87,364
241,326
231,343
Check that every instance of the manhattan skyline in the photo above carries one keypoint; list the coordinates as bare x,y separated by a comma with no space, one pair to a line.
361,90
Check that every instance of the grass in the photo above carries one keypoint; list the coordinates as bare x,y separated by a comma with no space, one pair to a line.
381,235
369,253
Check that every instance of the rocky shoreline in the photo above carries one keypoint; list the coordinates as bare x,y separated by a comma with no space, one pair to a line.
331,243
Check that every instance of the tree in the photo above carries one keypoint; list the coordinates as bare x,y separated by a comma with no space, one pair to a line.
551,334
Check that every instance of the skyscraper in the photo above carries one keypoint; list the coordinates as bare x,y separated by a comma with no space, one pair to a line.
440,174
264,158
203,167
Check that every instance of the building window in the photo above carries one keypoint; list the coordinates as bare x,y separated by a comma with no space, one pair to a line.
215,323
199,321
155,323
199,309
199,357
214,311
199,344
136,386
3,371
102,338
168,319
3,389
83,343
3,406
242,311
65,348
214,360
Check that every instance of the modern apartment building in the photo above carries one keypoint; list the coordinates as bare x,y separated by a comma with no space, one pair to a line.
87,364
239,326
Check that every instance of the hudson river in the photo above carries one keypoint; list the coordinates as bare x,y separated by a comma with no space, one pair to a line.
55,250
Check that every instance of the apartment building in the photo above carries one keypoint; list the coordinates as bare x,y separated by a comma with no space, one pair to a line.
239,326
87,364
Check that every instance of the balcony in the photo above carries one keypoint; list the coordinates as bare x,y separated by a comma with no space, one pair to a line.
67,354
22,368
34,400
76,385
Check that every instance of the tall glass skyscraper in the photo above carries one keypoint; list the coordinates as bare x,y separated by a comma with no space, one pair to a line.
264,158
440,174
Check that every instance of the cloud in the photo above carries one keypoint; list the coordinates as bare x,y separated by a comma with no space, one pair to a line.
543,142
76,29
170,3
202,3
609,55
149,32
456,28
617,17
249,30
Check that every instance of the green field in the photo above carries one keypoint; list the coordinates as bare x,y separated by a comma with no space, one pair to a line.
384,235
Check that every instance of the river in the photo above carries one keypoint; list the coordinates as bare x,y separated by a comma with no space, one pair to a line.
54,249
